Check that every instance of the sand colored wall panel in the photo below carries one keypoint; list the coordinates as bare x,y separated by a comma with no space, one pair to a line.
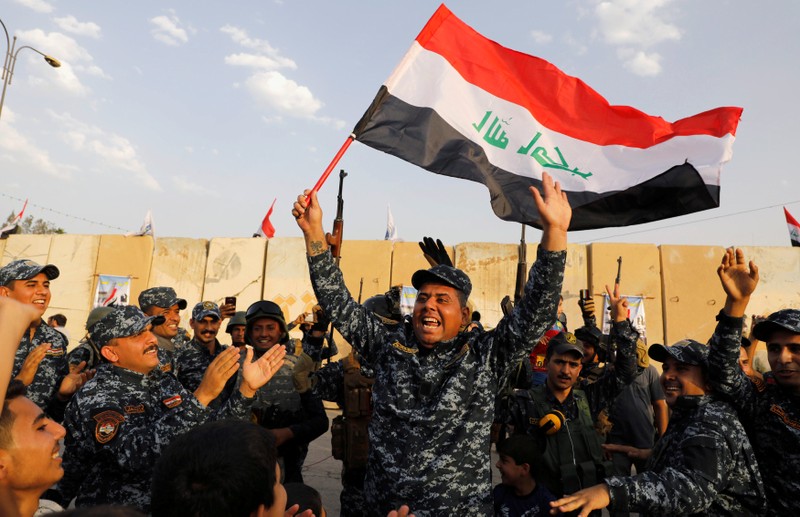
27,246
2,249
235,267
692,295
575,279
407,258
492,268
370,260
126,256
779,285
181,264
72,291
287,281
641,276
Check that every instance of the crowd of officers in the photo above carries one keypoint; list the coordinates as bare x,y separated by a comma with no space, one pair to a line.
420,394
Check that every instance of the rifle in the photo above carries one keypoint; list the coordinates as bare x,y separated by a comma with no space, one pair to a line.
335,239
522,275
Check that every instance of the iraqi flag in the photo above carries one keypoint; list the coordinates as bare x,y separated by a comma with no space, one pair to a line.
461,105
266,229
13,227
794,228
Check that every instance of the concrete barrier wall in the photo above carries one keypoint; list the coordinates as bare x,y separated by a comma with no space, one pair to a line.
680,284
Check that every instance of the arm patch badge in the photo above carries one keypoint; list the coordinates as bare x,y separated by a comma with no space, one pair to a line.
108,423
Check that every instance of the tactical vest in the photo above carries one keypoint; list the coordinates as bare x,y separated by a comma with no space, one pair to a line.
278,403
572,457
349,431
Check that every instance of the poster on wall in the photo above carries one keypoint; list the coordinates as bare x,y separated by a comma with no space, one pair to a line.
112,291
635,314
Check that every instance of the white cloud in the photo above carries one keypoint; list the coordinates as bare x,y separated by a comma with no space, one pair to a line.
40,6
22,150
634,26
269,87
275,90
72,56
541,37
167,29
71,24
641,62
114,150
184,184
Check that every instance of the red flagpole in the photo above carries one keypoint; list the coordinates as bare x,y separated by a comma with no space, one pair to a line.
331,166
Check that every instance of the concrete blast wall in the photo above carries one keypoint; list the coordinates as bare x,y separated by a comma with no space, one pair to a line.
679,283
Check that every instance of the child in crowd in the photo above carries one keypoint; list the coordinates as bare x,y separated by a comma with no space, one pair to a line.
519,495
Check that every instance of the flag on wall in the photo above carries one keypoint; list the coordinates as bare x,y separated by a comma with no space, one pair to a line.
461,105
11,228
266,229
147,227
391,229
794,228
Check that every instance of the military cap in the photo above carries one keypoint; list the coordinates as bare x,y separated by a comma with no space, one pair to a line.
124,321
589,334
686,351
564,343
443,274
164,297
96,315
25,269
786,319
238,319
203,309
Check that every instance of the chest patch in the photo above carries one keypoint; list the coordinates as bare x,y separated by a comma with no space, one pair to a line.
166,368
54,352
776,409
108,424
173,401
134,410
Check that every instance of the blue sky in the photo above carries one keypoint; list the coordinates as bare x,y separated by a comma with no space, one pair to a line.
204,112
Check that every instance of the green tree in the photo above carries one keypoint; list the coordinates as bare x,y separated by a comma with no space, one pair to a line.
35,226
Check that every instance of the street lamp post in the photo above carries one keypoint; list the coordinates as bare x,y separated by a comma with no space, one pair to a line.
11,60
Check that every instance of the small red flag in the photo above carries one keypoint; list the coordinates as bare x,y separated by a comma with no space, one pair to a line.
267,230
794,228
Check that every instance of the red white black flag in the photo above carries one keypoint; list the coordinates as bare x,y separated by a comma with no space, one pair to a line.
794,228
11,228
461,105
266,229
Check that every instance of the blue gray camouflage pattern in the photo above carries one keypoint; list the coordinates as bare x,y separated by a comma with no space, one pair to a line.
117,426
84,352
191,363
24,269
769,413
51,370
164,297
433,409
703,465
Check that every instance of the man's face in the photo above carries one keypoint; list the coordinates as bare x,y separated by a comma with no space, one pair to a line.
438,314
32,461
681,379
783,354
265,333
279,497
237,334
172,315
138,353
510,472
34,291
563,370
205,330
589,356
744,362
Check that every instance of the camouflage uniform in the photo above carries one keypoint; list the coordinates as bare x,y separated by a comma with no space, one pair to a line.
433,408
573,458
51,370
120,421
770,414
703,465
192,361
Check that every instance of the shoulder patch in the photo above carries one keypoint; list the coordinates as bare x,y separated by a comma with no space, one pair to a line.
133,410
173,401
404,348
108,423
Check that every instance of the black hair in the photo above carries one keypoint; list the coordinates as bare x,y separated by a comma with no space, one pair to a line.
522,449
476,316
15,389
60,319
307,497
225,467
